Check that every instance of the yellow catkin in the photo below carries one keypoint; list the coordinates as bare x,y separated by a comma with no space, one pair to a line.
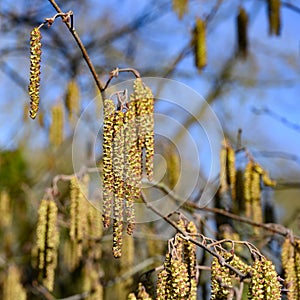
223,170
118,169
247,189
297,265
35,66
72,100
180,7
56,132
274,7
108,175
227,170
127,259
173,165
200,44
221,281
144,100
131,182
264,281
47,242
91,282
94,232
289,268
5,210
256,197
12,287
78,213
242,32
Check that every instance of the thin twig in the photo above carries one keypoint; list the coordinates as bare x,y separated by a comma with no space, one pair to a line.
188,238
81,46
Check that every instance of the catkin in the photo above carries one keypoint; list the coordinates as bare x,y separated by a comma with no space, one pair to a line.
108,174
264,281
12,287
242,32
91,282
118,164
78,214
72,99
56,134
5,210
200,44
131,179
180,7
227,170
47,242
247,189
289,268
35,65
144,100
274,16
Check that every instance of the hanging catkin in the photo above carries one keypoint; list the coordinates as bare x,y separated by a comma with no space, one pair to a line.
72,100
35,66
289,267
47,242
274,7
108,174
118,164
199,41
12,287
242,32
56,131
144,100
131,179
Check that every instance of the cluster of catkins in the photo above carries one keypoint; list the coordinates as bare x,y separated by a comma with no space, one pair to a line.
245,188
128,150
264,283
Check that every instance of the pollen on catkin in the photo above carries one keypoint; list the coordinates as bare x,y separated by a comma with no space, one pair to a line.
144,100
131,180
199,41
12,287
264,281
56,131
108,173
35,65
118,170
47,242
242,32
274,7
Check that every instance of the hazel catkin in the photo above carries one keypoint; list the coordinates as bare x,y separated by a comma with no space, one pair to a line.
35,66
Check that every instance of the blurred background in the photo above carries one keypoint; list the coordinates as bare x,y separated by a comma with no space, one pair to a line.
250,82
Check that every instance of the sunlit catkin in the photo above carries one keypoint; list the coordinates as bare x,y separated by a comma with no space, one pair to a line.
35,65
144,100
289,268
12,287
108,174
180,7
131,180
221,281
142,293
242,32
247,189
47,242
274,16
56,131
199,41
264,281
118,170
72,100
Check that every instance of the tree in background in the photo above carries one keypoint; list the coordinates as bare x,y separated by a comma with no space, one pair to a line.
48,245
